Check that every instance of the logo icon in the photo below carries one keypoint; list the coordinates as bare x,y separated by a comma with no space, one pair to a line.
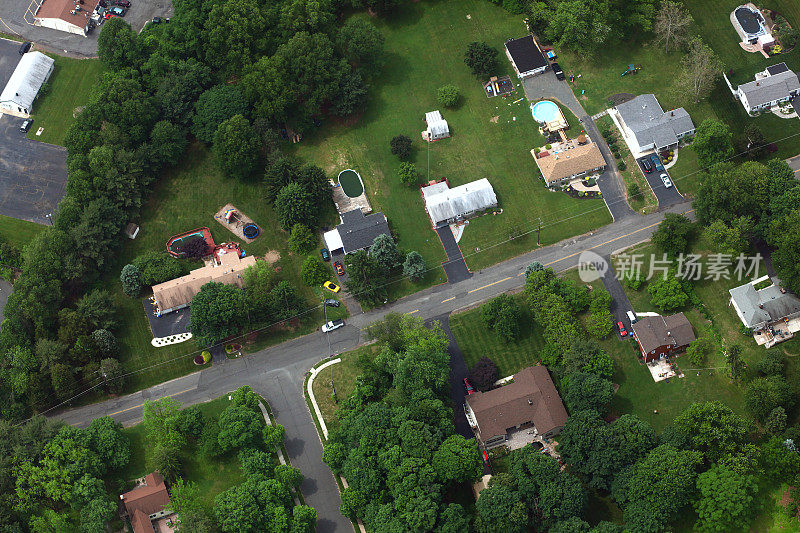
591,266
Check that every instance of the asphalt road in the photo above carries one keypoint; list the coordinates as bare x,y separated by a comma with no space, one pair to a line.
9,57
278,372
794,163
665,196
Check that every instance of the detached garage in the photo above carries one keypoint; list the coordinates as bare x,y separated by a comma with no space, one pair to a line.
33,71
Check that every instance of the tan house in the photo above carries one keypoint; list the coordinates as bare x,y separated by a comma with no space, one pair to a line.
178,293
146,502
569,160
531,402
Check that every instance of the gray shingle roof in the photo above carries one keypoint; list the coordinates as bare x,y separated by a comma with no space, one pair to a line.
650,124
358,231
653,332
774,87
459,201
765,305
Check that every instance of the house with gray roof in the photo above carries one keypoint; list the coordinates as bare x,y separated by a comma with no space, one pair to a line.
446,206
776,85
760,308
645,126
661,336
356,232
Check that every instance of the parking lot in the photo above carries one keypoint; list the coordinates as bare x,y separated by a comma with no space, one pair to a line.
9,57
33,175
666,195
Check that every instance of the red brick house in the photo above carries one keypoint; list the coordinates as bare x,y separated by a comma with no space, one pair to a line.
660,336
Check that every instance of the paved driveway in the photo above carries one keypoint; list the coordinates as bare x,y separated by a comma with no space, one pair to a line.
455,267
33,175
620,304
12,22
666,196
547,86
9,57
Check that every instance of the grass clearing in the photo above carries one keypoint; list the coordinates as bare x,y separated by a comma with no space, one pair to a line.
18,232
344,376
492,137
69,89
187,198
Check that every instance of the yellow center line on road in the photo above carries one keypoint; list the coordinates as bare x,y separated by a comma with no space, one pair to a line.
141,404
489,285
451,298
412,312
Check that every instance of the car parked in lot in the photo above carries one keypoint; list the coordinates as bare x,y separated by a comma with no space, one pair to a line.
332,325
118,11
330,302
339,268
326,255
110,15
656,162
26,125
331,286
25,47
468,386
123,3
558,71
666,181
622,332
647,166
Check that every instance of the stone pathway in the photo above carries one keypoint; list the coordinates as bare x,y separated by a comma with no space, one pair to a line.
602,113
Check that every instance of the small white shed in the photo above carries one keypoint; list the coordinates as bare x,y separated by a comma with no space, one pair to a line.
437,126
32,71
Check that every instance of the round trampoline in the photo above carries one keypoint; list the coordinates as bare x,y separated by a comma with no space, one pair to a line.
351,183
251,231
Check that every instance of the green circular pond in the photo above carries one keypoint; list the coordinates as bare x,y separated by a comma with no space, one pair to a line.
351,183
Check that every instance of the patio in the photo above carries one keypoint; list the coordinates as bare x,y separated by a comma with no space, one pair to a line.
345,204
777,332
661,370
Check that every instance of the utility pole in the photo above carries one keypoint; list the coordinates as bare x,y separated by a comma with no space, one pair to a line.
539,233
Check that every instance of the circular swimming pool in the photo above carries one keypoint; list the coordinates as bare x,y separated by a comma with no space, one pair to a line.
545,111
351,183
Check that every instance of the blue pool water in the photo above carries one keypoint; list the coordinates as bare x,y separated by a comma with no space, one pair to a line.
545,111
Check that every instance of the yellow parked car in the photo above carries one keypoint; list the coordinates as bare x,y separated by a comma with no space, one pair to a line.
331,286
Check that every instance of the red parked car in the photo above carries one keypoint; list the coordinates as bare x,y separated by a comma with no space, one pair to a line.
468,386
622,332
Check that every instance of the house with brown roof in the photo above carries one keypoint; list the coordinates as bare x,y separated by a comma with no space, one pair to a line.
178,293
65,15
530,402
660,336
568,160
146,502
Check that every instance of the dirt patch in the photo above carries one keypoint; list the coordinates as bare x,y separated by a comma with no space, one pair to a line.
78,110
272,256
621,98
494,119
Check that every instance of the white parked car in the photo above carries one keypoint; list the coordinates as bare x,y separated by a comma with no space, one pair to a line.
332,325
667,182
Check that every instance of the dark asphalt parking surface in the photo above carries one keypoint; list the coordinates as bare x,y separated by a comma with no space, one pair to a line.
173,323
666,196
455,267
9,57
33,175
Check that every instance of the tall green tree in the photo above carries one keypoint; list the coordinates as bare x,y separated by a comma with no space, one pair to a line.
727,499
236,147
712,142
217,313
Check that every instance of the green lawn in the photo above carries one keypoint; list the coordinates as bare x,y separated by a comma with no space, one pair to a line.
18,232
184,199
344,376
476,340
212,475
69,89
425,45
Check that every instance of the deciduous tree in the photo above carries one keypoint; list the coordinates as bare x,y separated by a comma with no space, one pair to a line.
481,59
672,25
414,266
701,69
217,313
236,147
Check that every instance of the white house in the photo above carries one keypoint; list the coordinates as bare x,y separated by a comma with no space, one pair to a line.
437,127
32,71
645,126
445,205
526,57
774,86
65,15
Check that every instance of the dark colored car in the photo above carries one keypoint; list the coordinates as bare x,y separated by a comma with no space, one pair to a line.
622,332
339,268
647,166
25,47
123,3
656,162
26,125
330,302
468,386
559,73
326,255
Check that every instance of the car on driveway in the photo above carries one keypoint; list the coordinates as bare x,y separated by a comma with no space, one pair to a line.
622,332
330,302
332,325
647,166
339,268
468,386
656,162
331,286
558,71
326,255
26,125
666,181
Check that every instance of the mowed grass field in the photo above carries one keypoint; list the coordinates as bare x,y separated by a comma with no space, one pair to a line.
661,75
18,232
184,199
69,89
425,45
